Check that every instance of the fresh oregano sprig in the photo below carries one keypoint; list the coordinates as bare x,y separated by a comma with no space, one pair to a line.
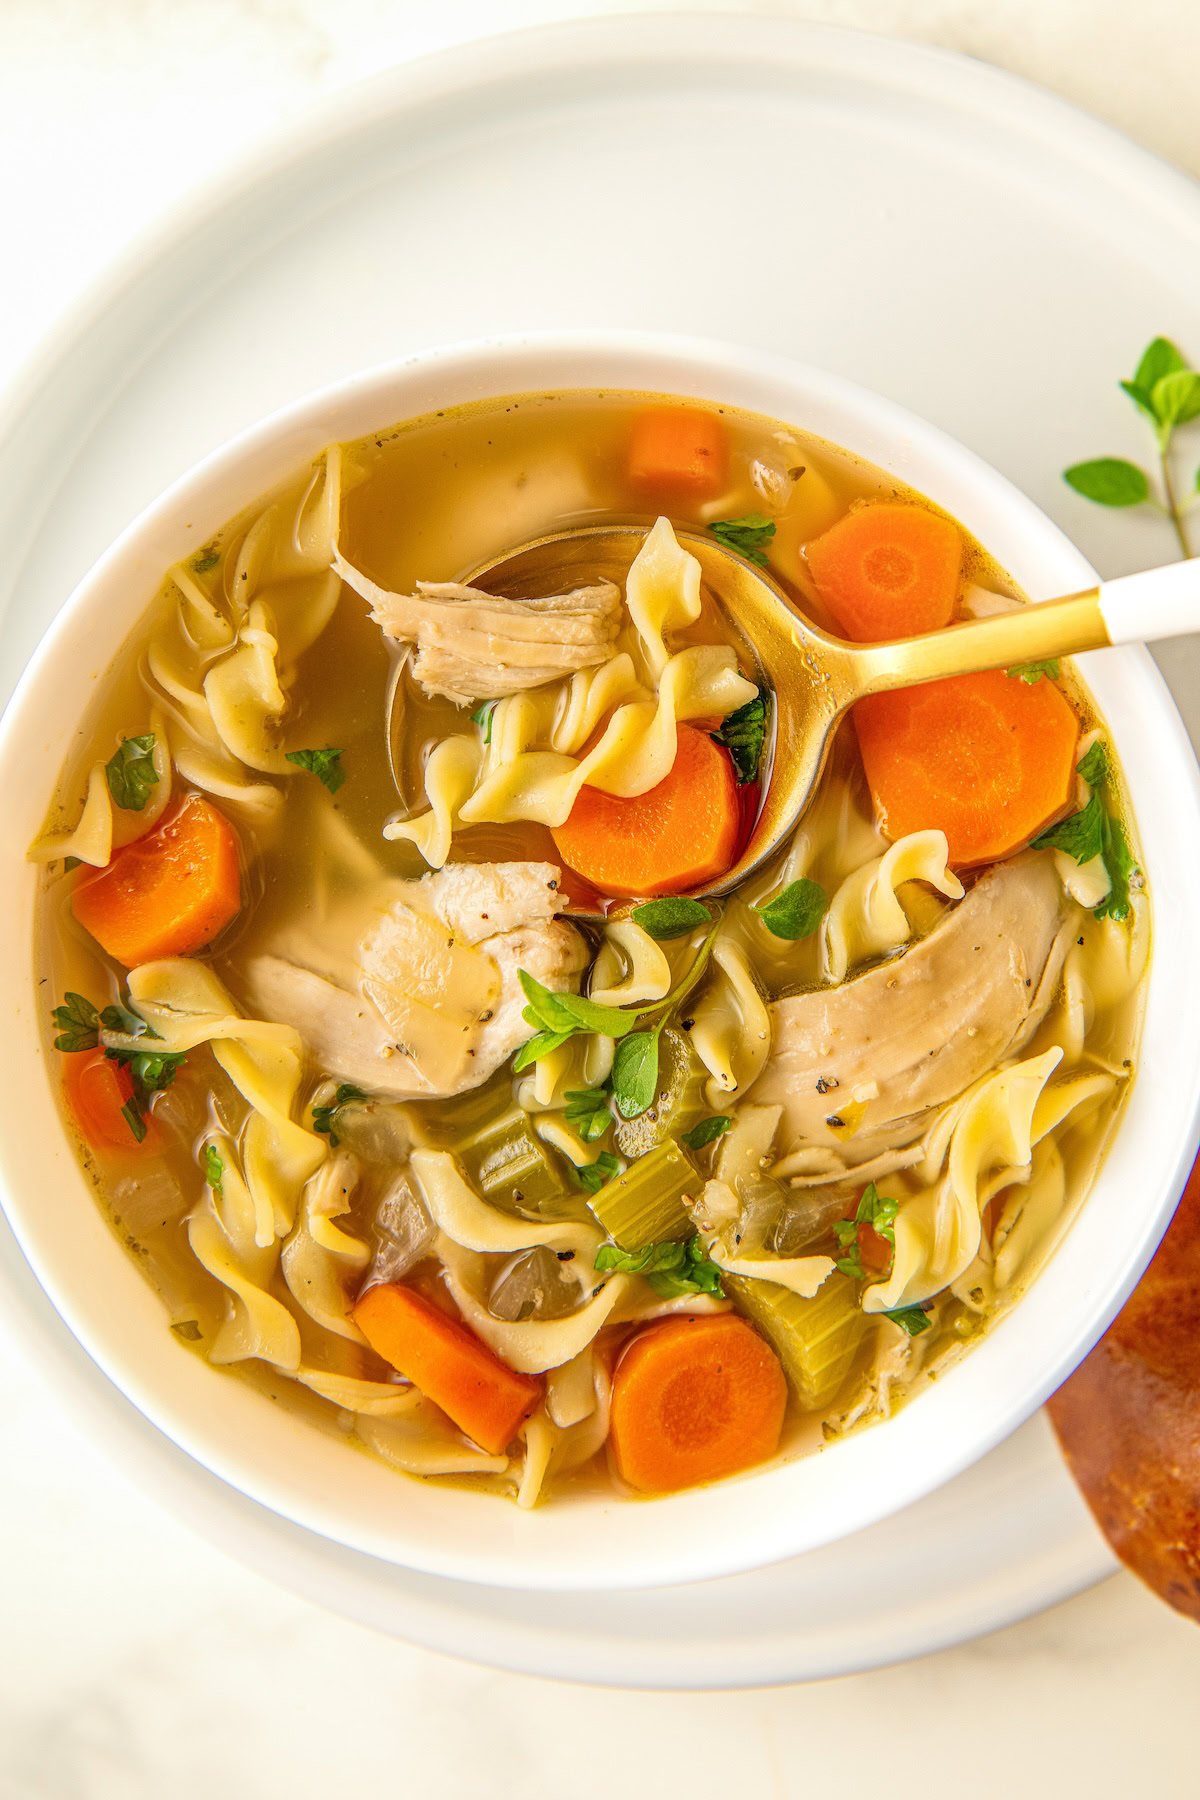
1166,390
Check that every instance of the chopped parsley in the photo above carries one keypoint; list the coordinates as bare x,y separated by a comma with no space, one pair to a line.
81,1026
911,1319
325,764
749,535
594,1176
208,559
671,1269
743,734
131,773
796,911
1032,672
706,1132
588,1113
1093,832
326,1118
483,716
670,918
879,1214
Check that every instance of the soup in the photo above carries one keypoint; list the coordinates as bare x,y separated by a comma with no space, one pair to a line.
401,1032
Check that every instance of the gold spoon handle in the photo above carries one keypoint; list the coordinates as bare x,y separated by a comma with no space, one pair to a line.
1025,635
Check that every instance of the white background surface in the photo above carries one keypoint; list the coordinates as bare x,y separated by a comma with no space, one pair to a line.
137,1661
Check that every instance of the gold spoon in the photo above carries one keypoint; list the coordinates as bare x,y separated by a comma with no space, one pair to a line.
816,678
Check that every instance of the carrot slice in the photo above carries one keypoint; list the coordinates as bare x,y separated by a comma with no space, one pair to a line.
678,835
694,1399
167,893
97,1088
678,451
984,758
888,570
483,1396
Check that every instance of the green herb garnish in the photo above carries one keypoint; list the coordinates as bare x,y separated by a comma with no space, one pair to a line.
1032,672
81,1026
594,1176
326,1118
325,764
483,716
670,918
911,1319
635,1073
208,559
131,773
706,1132
875,1211
796,911
78,1023
1167,392
671,1269
588,1113
558,1017
749,535
1094,766
1094,831
1080,835
743,734
214,1168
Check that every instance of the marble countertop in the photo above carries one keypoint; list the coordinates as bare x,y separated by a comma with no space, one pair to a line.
138,1661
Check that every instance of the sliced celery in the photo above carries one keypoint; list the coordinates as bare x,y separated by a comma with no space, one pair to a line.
645,1204
501,1155
678,1105
817,1340
509,1165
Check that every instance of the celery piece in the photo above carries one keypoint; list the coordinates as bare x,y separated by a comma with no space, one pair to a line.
501,1155
816,1340
509,1165
678,1104
644,1205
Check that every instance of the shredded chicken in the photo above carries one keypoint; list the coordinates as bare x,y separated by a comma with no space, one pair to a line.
471,645
430,1003
857,1068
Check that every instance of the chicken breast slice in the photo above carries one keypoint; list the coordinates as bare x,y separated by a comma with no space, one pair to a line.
471,645
877,1054
421,998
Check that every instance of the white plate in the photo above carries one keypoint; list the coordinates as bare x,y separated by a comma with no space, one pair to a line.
936,230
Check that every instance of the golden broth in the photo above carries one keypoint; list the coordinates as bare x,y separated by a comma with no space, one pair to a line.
432,500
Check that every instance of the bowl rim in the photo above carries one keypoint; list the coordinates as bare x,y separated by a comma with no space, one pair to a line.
781,1510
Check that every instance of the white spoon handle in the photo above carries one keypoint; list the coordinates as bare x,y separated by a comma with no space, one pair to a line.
1156,603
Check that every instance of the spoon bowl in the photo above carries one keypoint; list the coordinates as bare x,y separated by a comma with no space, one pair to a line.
813,677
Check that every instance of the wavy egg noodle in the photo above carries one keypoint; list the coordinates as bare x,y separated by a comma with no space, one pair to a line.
938,1231
471,1224
662,592
584,1061
103,825
421,1441
867,917
635,752
570,1428
355,1394
732,1030
321,1262
629,967
225,669
451,773
222,1231
185,1003
531,1346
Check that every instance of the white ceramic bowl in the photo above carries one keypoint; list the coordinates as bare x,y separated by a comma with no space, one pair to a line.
590,1542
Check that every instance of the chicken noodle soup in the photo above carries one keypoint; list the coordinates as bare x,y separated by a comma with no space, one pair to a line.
414,1066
